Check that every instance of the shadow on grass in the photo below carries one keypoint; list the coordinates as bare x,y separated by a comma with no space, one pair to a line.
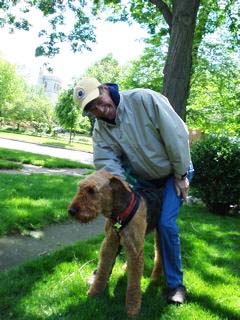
208,245
19,283
206,302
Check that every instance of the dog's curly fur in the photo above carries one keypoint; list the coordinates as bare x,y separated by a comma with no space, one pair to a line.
101,192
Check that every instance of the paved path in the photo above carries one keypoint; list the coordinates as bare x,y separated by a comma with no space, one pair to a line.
81,156
17,249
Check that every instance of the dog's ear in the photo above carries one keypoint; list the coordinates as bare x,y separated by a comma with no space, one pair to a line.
118,184
121,193
89,188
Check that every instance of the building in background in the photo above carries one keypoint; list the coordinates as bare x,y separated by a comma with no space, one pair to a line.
51,85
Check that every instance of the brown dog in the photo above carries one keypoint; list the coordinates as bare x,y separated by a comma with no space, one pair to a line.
101,192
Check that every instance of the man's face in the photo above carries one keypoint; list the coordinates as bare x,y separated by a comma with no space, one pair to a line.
103,106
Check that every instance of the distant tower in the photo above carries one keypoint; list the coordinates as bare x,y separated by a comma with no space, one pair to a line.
51,85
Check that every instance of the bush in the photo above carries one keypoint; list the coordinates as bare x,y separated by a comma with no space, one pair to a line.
216,160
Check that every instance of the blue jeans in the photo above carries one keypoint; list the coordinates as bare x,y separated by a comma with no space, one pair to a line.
167,227
168,233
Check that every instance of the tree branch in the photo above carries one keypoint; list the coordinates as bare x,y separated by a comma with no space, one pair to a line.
164,8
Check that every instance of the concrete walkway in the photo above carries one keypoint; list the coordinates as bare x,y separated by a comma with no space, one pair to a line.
17,249
80,156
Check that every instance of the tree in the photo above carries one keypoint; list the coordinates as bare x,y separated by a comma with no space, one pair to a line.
68,114
31,107
106,69
11,86
145,72
181,24
215,91
41,109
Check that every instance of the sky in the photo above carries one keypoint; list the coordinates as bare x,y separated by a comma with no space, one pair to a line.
123,41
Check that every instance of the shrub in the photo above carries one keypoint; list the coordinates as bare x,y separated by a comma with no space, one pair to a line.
216,161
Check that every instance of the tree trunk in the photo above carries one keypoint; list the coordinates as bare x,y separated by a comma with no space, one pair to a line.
177,70
70,136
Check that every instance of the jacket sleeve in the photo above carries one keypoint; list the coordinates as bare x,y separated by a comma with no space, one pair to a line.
106,153
173,133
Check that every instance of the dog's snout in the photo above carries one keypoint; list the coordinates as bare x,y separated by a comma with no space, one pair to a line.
72,211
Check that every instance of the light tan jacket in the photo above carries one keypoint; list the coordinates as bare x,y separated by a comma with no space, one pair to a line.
149,136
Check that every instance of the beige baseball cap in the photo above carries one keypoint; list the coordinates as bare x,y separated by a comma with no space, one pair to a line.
86,91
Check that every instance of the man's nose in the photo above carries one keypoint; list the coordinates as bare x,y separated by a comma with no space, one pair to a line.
99,108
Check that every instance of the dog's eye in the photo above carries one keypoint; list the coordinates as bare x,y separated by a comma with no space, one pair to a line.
91,190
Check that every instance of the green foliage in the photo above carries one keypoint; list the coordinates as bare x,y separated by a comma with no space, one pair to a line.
213,105
155,17
21,103
216,161
145,72
11,86
32,107
106,69
75,14
68,114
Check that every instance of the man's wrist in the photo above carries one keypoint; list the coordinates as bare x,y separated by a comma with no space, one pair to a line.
181,176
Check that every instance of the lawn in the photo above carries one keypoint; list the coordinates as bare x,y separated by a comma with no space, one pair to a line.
30,202
8,165
82,143
54,286
38,160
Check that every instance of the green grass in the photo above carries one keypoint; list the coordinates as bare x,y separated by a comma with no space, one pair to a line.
39,160
54,286
8,165
82,143
29,202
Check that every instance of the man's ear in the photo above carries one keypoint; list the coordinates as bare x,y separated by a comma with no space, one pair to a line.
118,184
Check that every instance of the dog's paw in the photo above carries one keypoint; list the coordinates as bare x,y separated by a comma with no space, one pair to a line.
133,306
92,292
133,311
156,275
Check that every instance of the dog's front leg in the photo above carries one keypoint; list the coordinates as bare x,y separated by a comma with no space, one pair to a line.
108,252
133,242
135,263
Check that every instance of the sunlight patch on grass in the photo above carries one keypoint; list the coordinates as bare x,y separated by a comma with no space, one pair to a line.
28,202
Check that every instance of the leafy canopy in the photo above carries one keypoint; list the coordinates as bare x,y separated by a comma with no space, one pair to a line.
67,21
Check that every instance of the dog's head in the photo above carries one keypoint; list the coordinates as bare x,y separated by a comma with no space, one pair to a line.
98,193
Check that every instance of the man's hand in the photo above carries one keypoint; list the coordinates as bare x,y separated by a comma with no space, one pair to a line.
182,187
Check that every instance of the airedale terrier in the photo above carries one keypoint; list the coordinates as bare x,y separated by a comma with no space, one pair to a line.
126,225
